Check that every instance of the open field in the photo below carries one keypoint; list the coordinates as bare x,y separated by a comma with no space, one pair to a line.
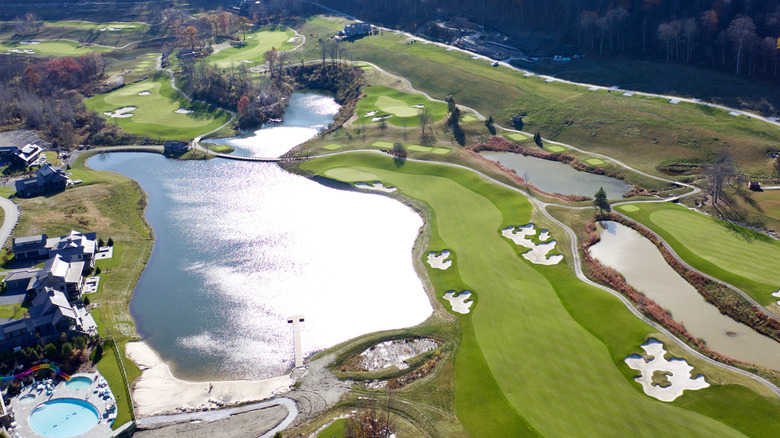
745,258
155,114
401,107
541,336
258,42
640,130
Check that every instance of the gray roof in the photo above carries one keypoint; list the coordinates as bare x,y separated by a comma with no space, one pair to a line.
20,275
20,138
26,240
56,268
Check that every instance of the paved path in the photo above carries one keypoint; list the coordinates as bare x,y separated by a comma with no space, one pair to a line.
11,215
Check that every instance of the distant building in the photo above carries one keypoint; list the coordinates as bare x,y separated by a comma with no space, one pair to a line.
12,141
354,30
26,155
46,179
754,186
174,147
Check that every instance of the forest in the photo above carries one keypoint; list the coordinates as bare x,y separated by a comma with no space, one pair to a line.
741,36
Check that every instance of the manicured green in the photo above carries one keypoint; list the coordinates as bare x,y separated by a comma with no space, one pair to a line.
628,208
257,43
382,144
553,345
399,106
555,148
337,429
593,161
155,114
419,148
516,136
333,146
54,48
740,256
468,118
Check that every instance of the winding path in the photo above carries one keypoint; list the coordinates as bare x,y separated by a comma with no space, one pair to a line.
11,215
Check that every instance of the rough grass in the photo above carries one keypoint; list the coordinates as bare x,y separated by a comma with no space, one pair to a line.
388,101
258,42
155,114
550,343
745,258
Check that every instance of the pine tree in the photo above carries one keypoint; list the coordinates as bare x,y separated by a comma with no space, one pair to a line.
601,202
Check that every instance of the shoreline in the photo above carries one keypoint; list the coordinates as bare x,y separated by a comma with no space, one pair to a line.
159,392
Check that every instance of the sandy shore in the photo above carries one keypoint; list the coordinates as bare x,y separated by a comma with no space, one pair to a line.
157,391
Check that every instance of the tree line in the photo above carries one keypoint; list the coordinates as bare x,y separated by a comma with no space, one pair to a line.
738,35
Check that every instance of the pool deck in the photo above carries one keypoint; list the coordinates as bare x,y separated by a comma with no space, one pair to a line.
22,409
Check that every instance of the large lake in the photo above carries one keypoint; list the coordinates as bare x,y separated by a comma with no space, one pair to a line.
240,246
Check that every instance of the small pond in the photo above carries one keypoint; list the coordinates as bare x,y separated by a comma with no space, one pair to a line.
556,177
643,266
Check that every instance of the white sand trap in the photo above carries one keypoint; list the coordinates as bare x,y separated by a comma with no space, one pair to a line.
460,302
776,295
475,57
734,113
678,372
247,62
548,80
378,186
593,88
28,51
370,114
29,42
538,253
674,101
389,353
544,236
439,261
418,106
379,119
145,93
183,111
121,113
527,75
628,94
293,39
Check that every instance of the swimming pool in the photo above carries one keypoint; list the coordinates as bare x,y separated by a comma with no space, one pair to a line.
79,382
63,418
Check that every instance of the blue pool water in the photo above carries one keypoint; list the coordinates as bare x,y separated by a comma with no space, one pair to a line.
80,382
63,418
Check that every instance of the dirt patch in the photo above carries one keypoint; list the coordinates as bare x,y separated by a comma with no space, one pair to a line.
391,353
246,424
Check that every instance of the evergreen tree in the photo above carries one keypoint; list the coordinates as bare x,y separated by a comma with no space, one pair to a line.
538,139
601,202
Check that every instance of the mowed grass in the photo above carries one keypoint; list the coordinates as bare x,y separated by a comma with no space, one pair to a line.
747,259
155,114
545,356
411,147
54,48
555,148
332,146
516,136
399,106
642,130
258,42
594,161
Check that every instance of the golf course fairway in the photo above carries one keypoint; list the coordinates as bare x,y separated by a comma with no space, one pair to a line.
742,257
541,353
402,108
155,114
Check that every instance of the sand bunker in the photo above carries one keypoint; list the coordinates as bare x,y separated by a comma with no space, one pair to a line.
461,302
370,114
678,373
674,101
538,252
145,93
121,113
628,94
183,111
389,353
378,186
439,261
593,88
379,119
418,106
776,295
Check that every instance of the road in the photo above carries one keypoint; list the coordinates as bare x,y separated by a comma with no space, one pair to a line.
11,215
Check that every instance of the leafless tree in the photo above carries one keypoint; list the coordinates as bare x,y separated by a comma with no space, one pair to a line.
719,172
741,32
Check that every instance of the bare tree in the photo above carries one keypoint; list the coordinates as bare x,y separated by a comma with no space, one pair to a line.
370,421
777,167
719,172
270,57
741,32
424,116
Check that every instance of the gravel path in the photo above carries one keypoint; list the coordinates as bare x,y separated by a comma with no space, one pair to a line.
10,219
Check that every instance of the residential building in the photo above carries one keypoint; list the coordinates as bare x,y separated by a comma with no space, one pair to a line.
46,179
27,155
354,30
73,247
58,274
30,247
49,317
19,280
